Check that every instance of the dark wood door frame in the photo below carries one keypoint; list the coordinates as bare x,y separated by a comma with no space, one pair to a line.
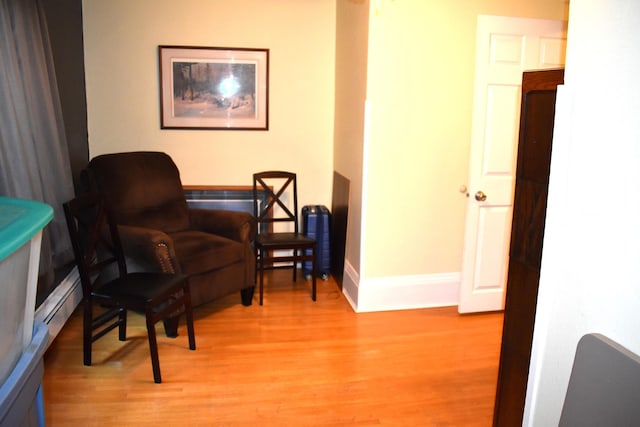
527,232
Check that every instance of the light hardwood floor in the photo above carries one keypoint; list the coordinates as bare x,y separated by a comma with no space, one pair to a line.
291,362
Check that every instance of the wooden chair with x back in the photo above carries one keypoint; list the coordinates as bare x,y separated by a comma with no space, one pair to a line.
279,243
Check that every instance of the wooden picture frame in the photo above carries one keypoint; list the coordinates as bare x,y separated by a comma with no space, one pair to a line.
214,88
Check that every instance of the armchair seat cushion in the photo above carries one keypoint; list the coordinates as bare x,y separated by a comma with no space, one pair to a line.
199,252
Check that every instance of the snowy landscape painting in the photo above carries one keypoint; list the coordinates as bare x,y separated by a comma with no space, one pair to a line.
213,88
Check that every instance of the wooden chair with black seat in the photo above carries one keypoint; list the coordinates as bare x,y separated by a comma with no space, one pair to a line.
109,291
279,244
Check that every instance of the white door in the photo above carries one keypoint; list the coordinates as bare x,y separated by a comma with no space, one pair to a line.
505,48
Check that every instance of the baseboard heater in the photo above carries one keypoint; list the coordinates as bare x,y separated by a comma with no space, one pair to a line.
60,304
229,197
232,198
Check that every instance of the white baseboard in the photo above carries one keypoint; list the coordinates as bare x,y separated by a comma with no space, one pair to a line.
400,292
60,304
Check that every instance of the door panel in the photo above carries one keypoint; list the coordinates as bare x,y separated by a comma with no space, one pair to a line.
486,278
506,47
501,129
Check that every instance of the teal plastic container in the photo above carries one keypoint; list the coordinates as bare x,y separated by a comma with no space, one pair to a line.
21,224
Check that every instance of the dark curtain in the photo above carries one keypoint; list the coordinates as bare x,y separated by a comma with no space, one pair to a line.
34,162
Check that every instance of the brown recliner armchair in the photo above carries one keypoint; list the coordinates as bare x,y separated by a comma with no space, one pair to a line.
160,232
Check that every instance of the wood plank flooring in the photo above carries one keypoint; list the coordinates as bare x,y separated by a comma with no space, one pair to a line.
291,362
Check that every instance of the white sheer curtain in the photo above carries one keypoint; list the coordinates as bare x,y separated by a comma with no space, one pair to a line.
34,163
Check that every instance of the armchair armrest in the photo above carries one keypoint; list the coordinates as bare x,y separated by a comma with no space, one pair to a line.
239,226
149,248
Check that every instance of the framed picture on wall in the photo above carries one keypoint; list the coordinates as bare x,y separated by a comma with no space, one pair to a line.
214,88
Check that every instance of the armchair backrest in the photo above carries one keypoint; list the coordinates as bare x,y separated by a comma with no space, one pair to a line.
142,189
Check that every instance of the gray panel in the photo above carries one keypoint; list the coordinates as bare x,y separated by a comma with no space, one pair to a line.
604,387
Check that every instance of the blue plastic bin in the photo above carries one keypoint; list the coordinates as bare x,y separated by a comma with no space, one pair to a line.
21,399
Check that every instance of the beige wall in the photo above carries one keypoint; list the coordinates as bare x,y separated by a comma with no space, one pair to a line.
420,89
352,21
121,39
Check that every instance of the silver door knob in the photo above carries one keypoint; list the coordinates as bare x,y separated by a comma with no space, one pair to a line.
480,196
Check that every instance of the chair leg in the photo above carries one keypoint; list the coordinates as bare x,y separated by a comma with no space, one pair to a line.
314,273
87,331
295,265
189,314
261,282
122,328
153,346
